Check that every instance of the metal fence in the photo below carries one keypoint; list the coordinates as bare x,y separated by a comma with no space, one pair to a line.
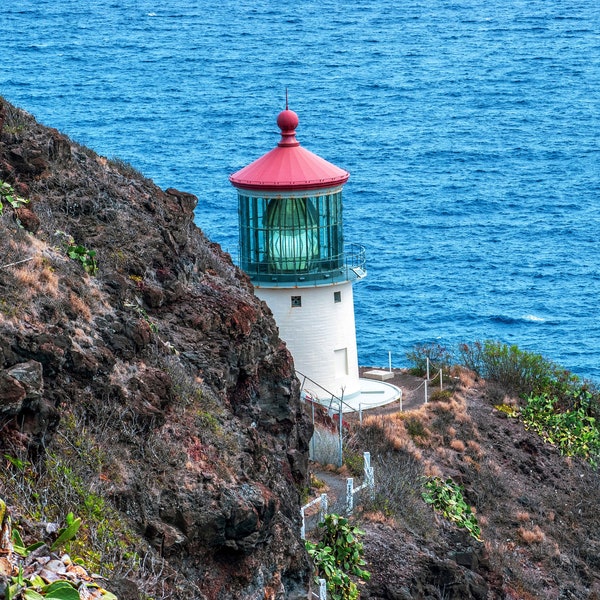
323,502
351,491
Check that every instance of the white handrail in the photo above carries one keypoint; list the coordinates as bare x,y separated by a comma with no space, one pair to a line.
322,512
369,482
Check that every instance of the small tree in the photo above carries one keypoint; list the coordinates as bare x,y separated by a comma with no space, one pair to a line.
439,358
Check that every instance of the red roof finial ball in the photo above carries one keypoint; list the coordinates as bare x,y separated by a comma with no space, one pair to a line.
287,121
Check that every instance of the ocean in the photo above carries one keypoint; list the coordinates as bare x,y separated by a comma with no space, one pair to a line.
471,130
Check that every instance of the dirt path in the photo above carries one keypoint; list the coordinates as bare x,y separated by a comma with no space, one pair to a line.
335,483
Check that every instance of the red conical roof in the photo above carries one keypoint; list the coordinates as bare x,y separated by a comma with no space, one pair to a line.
289,166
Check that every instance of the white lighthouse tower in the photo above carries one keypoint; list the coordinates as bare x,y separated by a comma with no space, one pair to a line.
292,247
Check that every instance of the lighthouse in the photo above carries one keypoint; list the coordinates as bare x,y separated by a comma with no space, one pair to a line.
292,246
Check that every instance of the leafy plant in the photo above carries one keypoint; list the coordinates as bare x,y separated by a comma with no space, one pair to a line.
32,586
68,532
80,253
446,497
86,257
20,548
338,556
141,311
8,195
35,588
16,462
507,409
574,431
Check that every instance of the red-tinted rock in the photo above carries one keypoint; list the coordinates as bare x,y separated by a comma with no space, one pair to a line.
28,219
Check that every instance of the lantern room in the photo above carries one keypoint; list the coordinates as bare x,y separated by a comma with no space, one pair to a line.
290,215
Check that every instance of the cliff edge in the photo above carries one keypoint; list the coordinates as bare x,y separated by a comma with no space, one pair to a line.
143,386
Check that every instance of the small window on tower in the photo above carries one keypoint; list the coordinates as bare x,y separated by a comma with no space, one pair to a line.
296,301
337,296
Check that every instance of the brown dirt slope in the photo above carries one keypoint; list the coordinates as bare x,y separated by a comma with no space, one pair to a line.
540,529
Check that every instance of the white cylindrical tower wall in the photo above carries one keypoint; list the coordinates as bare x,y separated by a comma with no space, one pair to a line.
317,324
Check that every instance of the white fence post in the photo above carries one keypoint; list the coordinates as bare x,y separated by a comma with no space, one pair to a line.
341,439
349,494
441,381
426,390
322,589
324,508
312,440
369,475
428,368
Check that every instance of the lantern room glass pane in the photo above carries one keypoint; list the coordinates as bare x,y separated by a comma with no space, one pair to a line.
291,237
292,234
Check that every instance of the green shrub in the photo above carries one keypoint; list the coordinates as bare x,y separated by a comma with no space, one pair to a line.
528,374
517,371
354,461
206,420
446,497
86,257
439,358
338,556
573,431
415,428
440,396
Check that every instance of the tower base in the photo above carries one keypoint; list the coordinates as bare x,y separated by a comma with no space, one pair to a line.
372,394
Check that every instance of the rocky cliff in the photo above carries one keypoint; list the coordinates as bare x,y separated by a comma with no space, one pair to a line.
142,384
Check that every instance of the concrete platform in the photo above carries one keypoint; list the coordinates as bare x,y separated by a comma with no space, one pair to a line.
372,394
379,374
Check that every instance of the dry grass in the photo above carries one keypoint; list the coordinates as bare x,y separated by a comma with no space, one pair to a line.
49,280
432,470
26,278
80,307
466,378
26,267
475,450
531,536
376,516
458,445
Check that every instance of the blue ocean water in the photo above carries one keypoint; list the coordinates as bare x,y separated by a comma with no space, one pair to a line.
471,130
